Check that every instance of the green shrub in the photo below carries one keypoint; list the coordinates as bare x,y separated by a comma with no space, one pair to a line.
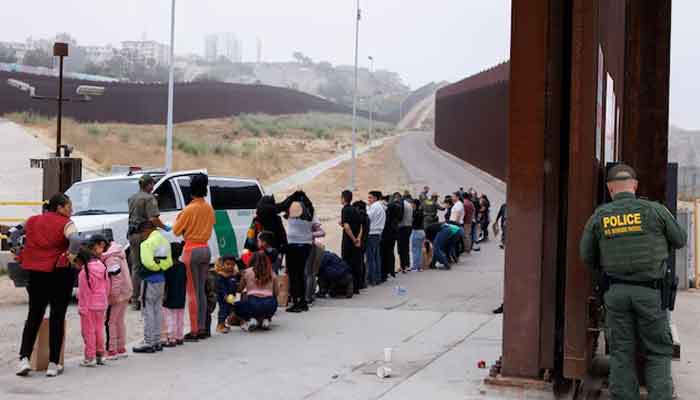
94,130
189,146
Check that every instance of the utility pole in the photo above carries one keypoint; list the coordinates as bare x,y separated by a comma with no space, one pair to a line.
371,99
353,174
171,87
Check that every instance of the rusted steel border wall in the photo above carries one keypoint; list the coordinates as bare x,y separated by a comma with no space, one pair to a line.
147,103
471,120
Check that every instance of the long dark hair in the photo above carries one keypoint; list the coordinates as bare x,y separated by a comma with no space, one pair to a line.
85,255
261,267
57,200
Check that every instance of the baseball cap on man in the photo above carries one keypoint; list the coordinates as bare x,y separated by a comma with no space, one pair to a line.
146,179
621,172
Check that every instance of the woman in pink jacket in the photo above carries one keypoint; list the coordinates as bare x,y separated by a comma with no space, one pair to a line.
93,288
119,294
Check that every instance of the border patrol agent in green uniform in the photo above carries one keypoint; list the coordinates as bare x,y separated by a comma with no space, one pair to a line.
629,239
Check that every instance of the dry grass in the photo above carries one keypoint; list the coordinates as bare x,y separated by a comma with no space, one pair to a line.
264,147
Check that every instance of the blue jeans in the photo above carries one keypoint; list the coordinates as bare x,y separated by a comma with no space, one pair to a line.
417,239
454,242
374,260
255,307
441,246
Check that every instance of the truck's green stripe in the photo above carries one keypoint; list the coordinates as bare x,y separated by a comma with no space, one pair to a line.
225,234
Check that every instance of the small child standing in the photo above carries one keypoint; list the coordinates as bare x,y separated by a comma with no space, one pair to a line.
93,289
174,301
120,292
156,258
226,286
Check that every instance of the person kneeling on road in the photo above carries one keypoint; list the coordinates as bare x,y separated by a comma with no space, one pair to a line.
335,277
259,302
444,238
156,258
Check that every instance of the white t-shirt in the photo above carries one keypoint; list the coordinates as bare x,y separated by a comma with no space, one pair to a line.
377,218
457,213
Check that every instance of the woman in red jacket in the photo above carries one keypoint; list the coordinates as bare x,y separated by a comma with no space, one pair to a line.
51,279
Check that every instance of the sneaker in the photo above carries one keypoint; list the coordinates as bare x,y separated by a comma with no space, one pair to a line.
144,348
23,368
100,360
222,328
203,335
158,347
113,357
89,363
54,370
252,325
180,342
245,326
121,353
499,310
170,344
265,324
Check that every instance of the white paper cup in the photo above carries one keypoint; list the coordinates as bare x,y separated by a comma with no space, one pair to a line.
387,354
383,372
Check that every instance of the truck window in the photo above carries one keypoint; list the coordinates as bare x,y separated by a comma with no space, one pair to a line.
184,184
166,197
231,194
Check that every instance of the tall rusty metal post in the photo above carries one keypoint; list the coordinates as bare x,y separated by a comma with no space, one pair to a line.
534,179
584,168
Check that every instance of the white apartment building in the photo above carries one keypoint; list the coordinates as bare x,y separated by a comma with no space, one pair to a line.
146,50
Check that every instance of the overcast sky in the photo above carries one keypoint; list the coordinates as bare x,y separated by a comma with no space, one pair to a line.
422,40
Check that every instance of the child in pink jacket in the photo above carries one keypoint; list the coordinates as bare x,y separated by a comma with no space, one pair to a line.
93,288
119,294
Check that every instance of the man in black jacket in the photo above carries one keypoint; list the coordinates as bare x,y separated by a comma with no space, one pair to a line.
394,214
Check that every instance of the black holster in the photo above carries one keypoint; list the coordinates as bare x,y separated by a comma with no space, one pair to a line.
669,288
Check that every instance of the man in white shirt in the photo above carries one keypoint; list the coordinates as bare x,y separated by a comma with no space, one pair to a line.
377,220
457,213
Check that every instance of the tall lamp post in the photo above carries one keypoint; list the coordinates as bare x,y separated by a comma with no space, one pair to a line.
371,99
354,102
171,84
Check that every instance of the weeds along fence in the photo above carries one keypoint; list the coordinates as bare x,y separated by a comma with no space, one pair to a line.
146,103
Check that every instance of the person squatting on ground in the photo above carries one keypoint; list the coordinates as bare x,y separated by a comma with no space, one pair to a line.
258,285
377,220
51,278
195,223
629,239
120,291
444,238
156,258
143,207
351,248
174,299
226,289
417,237
93,292
335,277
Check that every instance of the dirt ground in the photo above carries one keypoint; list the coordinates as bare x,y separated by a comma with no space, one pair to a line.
222,146
379,169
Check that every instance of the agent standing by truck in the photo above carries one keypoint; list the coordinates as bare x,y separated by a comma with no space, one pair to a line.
143,207
630,239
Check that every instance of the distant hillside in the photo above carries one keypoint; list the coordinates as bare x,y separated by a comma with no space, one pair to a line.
147,103
683,146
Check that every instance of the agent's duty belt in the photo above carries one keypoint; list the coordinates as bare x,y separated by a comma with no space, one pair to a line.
657,284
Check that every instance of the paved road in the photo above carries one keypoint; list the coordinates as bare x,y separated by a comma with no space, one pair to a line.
439,331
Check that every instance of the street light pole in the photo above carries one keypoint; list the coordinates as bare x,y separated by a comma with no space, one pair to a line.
60,105
371,100
171,84
354,102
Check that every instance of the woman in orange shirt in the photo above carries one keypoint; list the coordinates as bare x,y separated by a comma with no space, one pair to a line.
195,223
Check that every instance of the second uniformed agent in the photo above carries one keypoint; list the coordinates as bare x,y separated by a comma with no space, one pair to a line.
629,239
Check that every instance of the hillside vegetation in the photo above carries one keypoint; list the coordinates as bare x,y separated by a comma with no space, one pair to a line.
264,146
